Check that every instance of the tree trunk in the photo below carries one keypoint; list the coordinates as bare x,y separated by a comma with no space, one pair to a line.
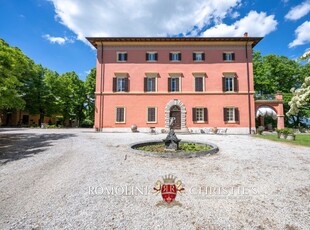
41,117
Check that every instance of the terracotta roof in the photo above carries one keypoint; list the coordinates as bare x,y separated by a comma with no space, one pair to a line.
95,40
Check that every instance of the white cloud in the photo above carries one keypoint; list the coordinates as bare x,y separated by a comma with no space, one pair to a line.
235,15
256,24
139,18
57,40
299,11
302,35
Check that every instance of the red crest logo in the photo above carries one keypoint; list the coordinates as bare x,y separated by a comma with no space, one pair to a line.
169,188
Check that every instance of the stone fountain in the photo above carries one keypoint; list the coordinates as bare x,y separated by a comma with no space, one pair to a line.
171,141
171,148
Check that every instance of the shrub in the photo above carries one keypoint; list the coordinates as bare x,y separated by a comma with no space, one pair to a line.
87,123
279,131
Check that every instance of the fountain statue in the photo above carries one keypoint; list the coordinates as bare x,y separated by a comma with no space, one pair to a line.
171,141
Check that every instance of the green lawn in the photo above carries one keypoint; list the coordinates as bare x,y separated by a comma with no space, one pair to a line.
301,139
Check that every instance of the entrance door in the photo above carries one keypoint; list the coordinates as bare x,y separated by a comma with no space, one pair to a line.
175,112
25,119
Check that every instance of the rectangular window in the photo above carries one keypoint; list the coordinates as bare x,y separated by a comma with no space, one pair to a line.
151,115
151,56
198,56
199,84
150,84
120,84
120,115
231,114
230,83
121,56
175,56
174,84
200,114
228,56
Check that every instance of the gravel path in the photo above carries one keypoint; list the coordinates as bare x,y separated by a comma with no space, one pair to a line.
64,179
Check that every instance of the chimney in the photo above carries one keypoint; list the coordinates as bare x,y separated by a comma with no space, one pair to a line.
245,34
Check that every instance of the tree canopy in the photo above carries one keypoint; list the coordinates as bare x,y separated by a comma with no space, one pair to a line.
300,102
15,67
38,90
273,73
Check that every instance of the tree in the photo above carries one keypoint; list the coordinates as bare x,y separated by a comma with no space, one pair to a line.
90,87
15,67
300,102
306,56
71,97
301,99
38,93
274,73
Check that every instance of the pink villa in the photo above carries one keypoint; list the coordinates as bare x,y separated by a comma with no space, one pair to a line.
203,82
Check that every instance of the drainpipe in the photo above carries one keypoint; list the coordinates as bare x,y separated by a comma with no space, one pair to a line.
101,87
248,79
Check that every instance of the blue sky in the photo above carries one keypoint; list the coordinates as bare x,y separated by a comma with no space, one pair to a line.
52,32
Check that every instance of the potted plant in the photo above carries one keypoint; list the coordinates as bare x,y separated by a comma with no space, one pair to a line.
260,130
291,136
279,131
284,133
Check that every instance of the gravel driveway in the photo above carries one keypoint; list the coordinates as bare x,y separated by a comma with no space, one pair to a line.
79,179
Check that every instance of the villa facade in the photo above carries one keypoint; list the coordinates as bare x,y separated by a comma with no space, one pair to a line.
202,82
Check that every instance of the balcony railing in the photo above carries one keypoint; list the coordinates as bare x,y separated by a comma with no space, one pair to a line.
267,97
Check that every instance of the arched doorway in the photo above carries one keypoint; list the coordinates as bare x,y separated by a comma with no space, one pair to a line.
263,113
181,113
175,111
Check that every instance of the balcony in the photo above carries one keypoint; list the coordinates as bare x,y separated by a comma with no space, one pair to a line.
268,97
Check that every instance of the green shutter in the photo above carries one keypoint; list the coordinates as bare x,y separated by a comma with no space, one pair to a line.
223,84
145,84
199,84
169,84
126,84
194,114
236,88
178,84
114,84
225,114
205,114
236,114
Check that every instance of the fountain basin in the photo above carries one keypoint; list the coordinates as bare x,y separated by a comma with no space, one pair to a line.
188,149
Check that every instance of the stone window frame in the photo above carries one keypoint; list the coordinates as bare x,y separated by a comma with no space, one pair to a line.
116,115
